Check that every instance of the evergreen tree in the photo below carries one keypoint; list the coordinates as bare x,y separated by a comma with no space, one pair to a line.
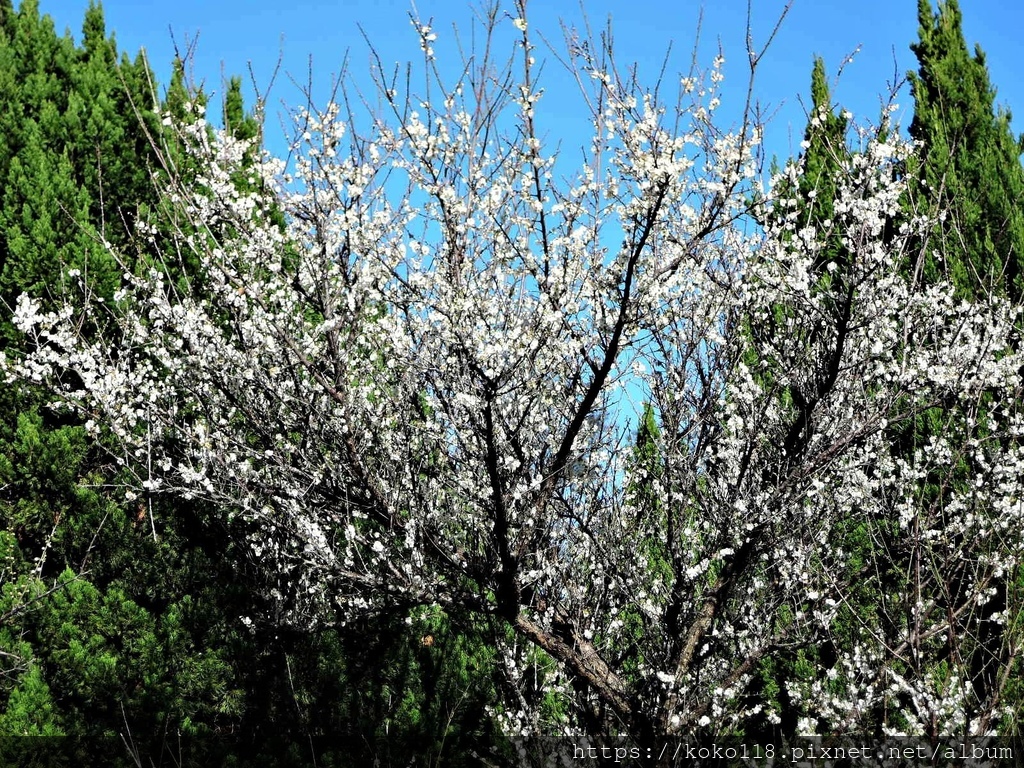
105,119
970,164
970,168
7,16
236,121
810,184
101,627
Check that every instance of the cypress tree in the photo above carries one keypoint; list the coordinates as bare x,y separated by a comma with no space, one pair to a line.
236,121
825,146
970,165
969,168
812,192
100,626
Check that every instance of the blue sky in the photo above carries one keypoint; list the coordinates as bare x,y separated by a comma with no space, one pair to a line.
232,35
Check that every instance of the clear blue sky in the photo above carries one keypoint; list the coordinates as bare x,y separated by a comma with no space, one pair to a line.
232,34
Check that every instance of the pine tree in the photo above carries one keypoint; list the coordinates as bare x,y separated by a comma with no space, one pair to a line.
102,625
104,120
970,165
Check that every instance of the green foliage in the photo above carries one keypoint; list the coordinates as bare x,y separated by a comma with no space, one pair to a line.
237,122
644,491
30,709
971,161
94,633
646,499
421,695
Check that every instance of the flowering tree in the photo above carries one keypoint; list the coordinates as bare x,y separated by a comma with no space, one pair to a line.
416,387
